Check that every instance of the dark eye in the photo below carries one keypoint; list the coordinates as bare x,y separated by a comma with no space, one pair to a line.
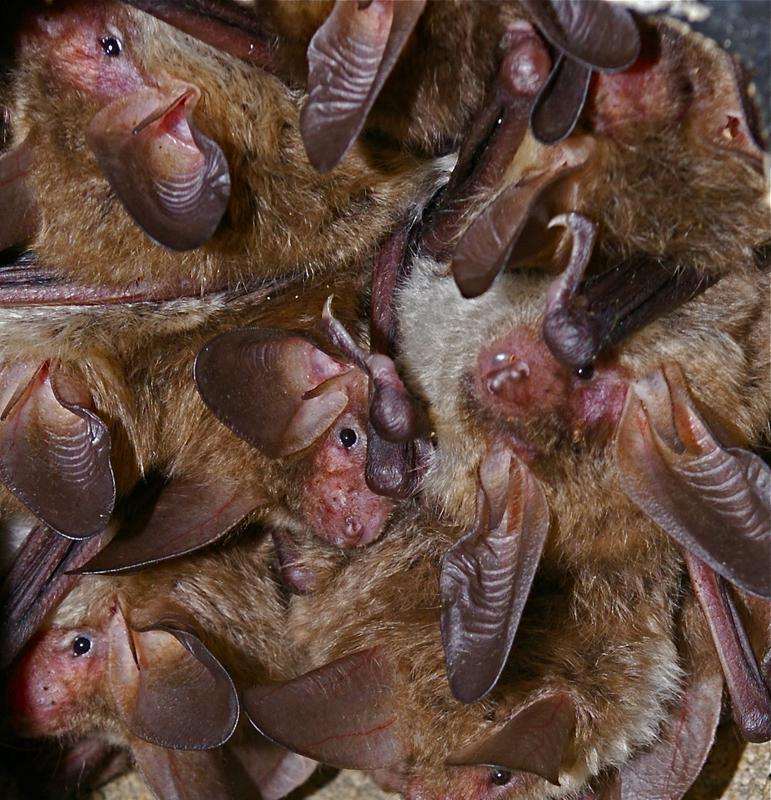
500,777
348,438
585,373
81,645
111,46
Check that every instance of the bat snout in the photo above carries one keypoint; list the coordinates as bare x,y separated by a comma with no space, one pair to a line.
517,375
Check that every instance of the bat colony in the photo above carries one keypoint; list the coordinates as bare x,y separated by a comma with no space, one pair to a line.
382,386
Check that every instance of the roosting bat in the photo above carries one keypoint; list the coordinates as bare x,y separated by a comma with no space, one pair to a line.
542,413
155,662
112,109
303,474
526,388
547,381
582,691
80,360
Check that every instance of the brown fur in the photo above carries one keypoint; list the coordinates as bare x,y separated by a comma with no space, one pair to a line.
439,82
283,218
613,652
232,596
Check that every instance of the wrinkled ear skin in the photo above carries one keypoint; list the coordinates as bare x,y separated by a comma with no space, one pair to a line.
343,714
563,332
714,501
172,179
535,740
349,59
54,450
486,576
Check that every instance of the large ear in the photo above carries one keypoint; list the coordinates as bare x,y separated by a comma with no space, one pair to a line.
601,35
184,517
256,382
558,106
54,450
668,768
490,240
486,576
596,35
169,688
349,59
584,319
342,714
396,469
393,412
534,740
198,775
275,770
37,582
493,138
747,687
566,333
172,179
716,502
19,213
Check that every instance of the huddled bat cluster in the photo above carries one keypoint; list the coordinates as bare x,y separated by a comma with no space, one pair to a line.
383,385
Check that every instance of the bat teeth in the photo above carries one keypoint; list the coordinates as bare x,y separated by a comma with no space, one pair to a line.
502,381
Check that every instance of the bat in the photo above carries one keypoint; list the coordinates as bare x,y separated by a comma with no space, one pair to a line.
359,63
120,652
510,388
58,381
495,476
568,704
229,179
503,399
303,476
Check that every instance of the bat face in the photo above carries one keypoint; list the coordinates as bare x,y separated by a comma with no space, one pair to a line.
56,679
336,500
116,648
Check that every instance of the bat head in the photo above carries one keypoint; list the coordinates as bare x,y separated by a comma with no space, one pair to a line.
184,164
56,680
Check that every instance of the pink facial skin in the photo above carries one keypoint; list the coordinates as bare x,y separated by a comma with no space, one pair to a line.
87,47
519,380
336,499
60,669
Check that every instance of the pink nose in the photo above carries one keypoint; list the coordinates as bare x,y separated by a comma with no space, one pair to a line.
517,374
